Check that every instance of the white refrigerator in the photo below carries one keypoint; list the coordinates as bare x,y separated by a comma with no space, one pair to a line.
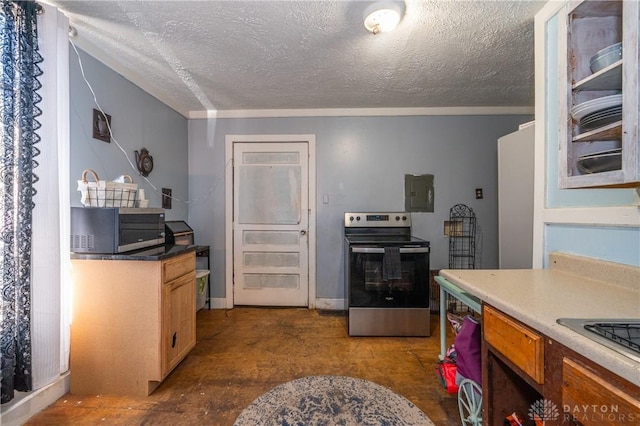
515,198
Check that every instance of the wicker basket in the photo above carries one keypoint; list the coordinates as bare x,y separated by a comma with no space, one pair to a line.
101,193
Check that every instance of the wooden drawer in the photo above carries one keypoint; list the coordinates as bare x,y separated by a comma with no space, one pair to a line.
178,266
592,400
517,343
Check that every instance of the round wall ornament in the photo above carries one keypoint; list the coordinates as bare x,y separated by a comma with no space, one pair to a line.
144,162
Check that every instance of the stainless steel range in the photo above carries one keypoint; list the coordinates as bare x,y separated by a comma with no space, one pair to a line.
386,275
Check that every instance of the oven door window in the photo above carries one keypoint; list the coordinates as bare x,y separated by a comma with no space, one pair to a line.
367,288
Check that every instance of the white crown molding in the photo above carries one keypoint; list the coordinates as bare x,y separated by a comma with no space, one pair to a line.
360,112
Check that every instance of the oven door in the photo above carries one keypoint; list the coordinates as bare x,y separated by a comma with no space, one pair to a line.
368,289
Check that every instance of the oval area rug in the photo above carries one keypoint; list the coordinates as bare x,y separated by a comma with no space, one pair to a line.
331,400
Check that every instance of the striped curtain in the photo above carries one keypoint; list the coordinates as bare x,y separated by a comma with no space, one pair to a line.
18,125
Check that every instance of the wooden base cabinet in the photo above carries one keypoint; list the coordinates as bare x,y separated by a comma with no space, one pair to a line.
525,371
513,366
133,321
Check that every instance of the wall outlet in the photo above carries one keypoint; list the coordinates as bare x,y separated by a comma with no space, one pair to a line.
478,193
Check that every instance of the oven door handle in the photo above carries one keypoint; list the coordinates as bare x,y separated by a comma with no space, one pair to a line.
380,250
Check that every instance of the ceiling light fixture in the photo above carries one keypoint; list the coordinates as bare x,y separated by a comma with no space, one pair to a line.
383,16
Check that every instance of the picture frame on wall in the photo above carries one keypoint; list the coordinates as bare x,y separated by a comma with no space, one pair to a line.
101,126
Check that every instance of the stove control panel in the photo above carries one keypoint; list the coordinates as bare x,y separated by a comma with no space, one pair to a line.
377,219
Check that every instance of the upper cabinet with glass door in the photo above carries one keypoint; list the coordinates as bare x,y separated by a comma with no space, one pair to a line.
598,138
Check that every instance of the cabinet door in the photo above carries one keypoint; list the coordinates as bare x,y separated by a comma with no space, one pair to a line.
591,399
178,320
599,120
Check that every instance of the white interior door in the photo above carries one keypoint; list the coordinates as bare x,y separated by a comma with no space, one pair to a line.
270,224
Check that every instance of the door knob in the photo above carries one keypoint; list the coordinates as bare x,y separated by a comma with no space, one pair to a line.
303,232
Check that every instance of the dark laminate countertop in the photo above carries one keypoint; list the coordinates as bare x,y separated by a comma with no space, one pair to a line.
149,254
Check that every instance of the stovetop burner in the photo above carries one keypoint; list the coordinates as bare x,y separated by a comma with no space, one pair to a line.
623,333
620,335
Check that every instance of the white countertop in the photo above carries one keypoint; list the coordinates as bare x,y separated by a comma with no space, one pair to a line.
538,297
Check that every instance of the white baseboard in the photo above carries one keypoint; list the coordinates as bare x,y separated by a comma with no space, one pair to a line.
27,405
331,304
218,303
323,304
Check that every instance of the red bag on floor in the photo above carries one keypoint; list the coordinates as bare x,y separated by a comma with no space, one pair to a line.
446,372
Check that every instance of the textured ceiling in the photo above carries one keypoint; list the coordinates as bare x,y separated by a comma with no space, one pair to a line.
263,55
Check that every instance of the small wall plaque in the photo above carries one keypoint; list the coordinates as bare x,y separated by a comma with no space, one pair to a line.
101,130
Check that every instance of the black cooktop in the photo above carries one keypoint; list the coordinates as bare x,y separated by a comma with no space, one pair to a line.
623,333
620,335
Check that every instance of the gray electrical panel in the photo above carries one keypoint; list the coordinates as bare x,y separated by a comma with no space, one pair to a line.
418,193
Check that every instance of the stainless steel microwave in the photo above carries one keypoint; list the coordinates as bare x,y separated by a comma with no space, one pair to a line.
113,230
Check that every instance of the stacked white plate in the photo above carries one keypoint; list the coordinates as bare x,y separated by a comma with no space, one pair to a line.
606,57
598,104
601,118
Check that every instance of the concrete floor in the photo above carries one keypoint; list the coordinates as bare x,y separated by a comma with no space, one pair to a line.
243,353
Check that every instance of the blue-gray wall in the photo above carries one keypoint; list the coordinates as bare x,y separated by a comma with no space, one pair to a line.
138,120
361,163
